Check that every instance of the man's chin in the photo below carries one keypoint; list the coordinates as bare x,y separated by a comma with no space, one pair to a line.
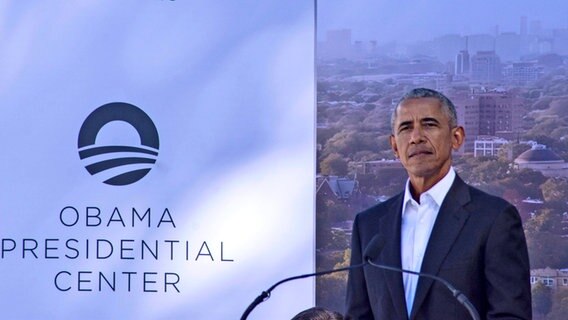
420,163
424,170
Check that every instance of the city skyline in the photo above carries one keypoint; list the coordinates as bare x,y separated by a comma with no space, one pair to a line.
417,20
532,40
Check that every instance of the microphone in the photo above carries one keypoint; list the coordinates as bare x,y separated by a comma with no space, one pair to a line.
266,294
376,246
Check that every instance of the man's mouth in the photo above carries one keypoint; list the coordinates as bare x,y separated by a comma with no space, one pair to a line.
419,153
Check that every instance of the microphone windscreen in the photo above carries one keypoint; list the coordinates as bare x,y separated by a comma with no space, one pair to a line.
374,248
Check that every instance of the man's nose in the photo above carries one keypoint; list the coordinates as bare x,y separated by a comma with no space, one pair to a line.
417,135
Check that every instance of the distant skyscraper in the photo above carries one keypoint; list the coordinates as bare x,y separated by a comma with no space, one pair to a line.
373,47
488,114
462,62
486,67
524,26
522,73
525,40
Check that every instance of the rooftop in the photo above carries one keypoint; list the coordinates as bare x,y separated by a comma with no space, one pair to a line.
538,153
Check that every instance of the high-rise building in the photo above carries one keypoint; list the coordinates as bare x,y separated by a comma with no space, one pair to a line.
488,114
524,26
524,35
462,60
486,67
522,73
462,63
495,113
467,109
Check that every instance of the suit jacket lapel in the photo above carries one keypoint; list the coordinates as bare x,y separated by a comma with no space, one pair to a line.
390,226
449,222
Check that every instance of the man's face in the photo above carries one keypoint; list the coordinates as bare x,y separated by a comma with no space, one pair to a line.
423,140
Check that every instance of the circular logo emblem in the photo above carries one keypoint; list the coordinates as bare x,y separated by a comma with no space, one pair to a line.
119,165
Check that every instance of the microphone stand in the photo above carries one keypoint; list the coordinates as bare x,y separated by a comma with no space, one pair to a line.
266,294
455,292
462,298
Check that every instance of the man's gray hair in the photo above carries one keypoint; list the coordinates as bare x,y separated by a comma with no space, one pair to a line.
447,105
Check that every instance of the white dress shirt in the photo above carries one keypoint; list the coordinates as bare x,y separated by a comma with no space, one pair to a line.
417,223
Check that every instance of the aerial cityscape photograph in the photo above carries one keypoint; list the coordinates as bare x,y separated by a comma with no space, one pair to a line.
506,70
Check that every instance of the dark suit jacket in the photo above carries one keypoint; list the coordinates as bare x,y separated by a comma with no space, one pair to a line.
477,244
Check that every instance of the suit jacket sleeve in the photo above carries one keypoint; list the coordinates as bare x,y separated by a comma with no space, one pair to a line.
357,300
508,288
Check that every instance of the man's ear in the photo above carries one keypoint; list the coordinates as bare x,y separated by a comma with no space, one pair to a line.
458,137
393,145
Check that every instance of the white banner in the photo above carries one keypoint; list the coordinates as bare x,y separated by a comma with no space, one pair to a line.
157,160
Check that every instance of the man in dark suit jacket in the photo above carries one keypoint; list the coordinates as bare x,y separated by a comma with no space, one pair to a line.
438,225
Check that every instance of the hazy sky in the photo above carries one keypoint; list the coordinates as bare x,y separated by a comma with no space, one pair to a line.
387,20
